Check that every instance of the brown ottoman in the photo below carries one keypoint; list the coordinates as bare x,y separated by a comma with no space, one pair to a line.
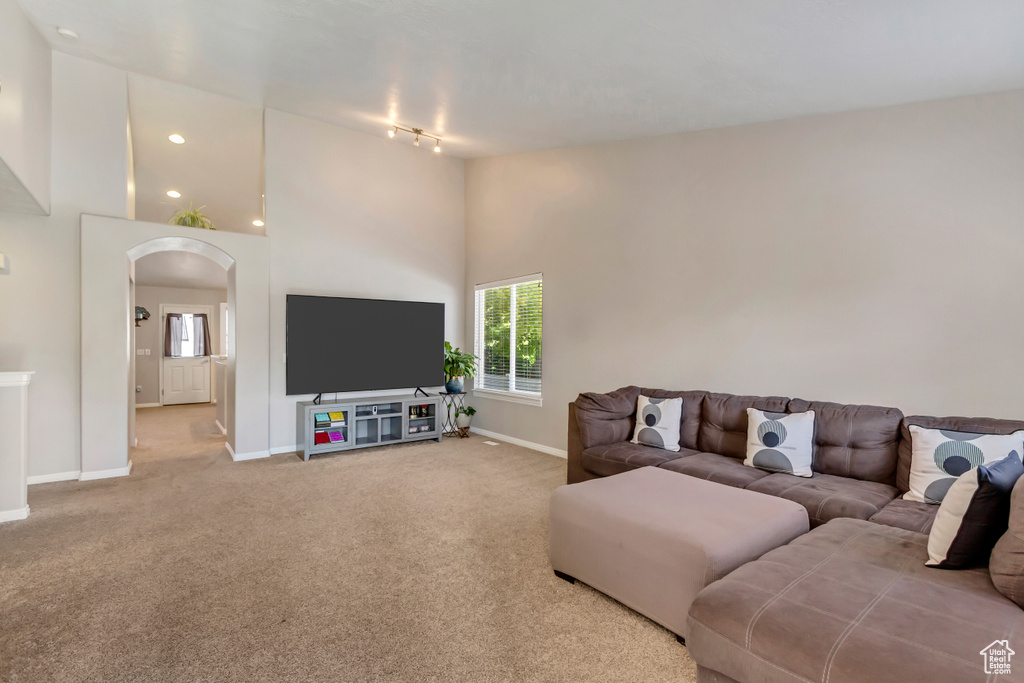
652,539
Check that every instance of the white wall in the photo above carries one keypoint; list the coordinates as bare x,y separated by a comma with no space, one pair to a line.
39,300
863,257
350,214
148,333
25,101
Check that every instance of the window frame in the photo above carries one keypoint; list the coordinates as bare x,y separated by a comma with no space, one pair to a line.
533,398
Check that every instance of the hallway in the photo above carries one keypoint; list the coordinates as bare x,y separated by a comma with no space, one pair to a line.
177,432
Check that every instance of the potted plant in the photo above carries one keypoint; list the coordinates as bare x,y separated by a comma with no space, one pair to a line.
458,366
192,218
463,416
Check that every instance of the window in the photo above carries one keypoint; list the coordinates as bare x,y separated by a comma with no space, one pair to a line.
508,339
186,335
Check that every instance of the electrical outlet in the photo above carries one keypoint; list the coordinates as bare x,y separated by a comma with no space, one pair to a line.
147,352
140,352
138,389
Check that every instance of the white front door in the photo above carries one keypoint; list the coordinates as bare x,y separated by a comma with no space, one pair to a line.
185,378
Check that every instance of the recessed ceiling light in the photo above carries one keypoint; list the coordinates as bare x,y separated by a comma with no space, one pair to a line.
176,139
173,194
258,223
67,33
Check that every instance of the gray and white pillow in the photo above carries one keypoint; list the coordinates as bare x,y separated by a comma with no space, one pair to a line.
780,442
939,456
657,422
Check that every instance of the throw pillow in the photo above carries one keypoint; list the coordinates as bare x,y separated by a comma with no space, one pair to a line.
939,456
973,515
657,422
780,442
1006,564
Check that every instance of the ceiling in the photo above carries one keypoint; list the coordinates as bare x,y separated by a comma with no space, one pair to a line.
179,269
496,77
219,168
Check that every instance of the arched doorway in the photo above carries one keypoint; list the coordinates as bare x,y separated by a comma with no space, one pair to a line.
179,345
110,247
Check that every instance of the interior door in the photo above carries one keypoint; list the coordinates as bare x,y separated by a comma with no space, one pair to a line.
185,378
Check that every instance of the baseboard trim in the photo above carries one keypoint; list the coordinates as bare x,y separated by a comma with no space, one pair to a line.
14,515
147,405
106,474
239,457
49,478
285,449
221,427
520,442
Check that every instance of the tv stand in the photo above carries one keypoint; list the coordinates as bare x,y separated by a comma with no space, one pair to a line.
347,424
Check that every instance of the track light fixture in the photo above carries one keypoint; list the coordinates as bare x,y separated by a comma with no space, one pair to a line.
393,131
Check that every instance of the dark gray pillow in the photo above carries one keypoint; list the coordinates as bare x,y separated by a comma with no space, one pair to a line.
1006,564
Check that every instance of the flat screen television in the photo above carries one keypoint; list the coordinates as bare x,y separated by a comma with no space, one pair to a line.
339,344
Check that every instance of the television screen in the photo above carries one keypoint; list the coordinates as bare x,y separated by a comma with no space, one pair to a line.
338,344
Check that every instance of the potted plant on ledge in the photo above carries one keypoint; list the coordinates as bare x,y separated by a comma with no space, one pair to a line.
458,366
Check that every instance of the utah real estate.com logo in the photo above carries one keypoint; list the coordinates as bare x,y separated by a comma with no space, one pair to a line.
997,657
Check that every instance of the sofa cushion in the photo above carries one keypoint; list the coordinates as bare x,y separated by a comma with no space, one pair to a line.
861,442
723,421
978,425
849,601
826,496
1007,560
606,418
690,423
780,442
939,456
717,468
907,514
657,422
624,456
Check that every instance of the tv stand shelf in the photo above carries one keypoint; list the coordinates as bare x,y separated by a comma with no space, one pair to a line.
343,425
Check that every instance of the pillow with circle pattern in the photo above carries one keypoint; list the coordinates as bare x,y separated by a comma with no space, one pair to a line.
780,442
939,456
657,422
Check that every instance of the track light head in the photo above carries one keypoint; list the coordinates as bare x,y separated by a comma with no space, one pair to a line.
437,146
391,133
416,142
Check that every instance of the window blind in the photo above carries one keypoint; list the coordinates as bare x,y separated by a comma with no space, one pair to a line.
508,339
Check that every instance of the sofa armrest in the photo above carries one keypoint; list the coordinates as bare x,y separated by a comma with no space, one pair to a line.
574,453
597,420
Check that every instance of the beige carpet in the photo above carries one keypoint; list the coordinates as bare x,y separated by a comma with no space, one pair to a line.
422,562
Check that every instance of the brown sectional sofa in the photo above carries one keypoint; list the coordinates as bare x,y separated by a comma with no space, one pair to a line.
852,599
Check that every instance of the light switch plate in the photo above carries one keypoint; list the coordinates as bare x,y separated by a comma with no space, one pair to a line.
140,352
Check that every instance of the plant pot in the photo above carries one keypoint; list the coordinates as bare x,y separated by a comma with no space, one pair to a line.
454,385
462,421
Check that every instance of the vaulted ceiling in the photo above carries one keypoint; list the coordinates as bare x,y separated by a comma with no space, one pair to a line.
496,77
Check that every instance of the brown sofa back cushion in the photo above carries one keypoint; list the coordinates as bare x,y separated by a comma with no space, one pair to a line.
690,424
723,421
976,425
859,442
606,418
